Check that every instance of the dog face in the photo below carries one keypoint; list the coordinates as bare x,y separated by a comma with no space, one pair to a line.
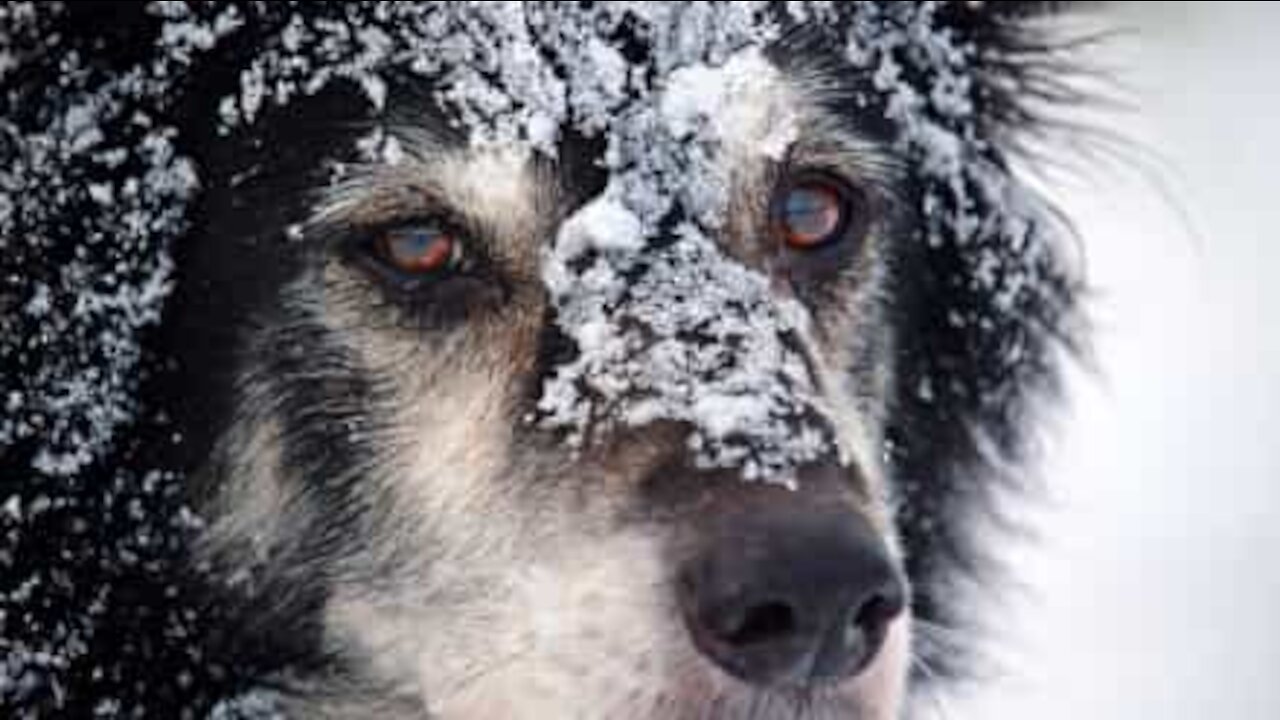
518,359
382,468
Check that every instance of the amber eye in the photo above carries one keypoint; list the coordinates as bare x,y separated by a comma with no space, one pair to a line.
812,213
419,249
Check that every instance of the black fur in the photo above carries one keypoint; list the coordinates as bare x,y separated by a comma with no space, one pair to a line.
119,599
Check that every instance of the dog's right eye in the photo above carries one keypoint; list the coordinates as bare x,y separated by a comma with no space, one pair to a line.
430,268
419,250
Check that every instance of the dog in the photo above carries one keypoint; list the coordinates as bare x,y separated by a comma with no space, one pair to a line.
422,486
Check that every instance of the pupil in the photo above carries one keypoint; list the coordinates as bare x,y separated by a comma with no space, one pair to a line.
419,249
417,243
810,212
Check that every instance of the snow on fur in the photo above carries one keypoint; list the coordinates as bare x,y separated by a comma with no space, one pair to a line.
515,73
94,192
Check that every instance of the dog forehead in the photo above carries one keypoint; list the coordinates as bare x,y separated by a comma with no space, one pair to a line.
748,113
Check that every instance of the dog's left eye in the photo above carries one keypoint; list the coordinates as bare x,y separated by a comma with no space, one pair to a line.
812,212
422,249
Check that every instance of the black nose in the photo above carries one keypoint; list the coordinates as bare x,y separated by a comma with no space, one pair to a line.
790,593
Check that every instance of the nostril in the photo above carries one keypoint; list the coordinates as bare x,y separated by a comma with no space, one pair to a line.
763,623
853,646
878,611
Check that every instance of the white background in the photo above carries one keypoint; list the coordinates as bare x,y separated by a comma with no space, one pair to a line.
1155,589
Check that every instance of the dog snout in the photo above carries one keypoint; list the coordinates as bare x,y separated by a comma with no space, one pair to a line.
788,588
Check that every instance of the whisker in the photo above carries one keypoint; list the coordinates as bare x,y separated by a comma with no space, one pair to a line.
947,638
936,700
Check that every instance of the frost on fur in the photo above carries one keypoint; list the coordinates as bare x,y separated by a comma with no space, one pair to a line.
515,74
95,190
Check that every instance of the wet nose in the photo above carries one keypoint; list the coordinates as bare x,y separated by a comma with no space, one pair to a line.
789,592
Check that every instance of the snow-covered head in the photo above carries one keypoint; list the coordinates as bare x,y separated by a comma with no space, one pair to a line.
517,359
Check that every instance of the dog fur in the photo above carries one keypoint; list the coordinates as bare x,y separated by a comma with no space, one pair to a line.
386,532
